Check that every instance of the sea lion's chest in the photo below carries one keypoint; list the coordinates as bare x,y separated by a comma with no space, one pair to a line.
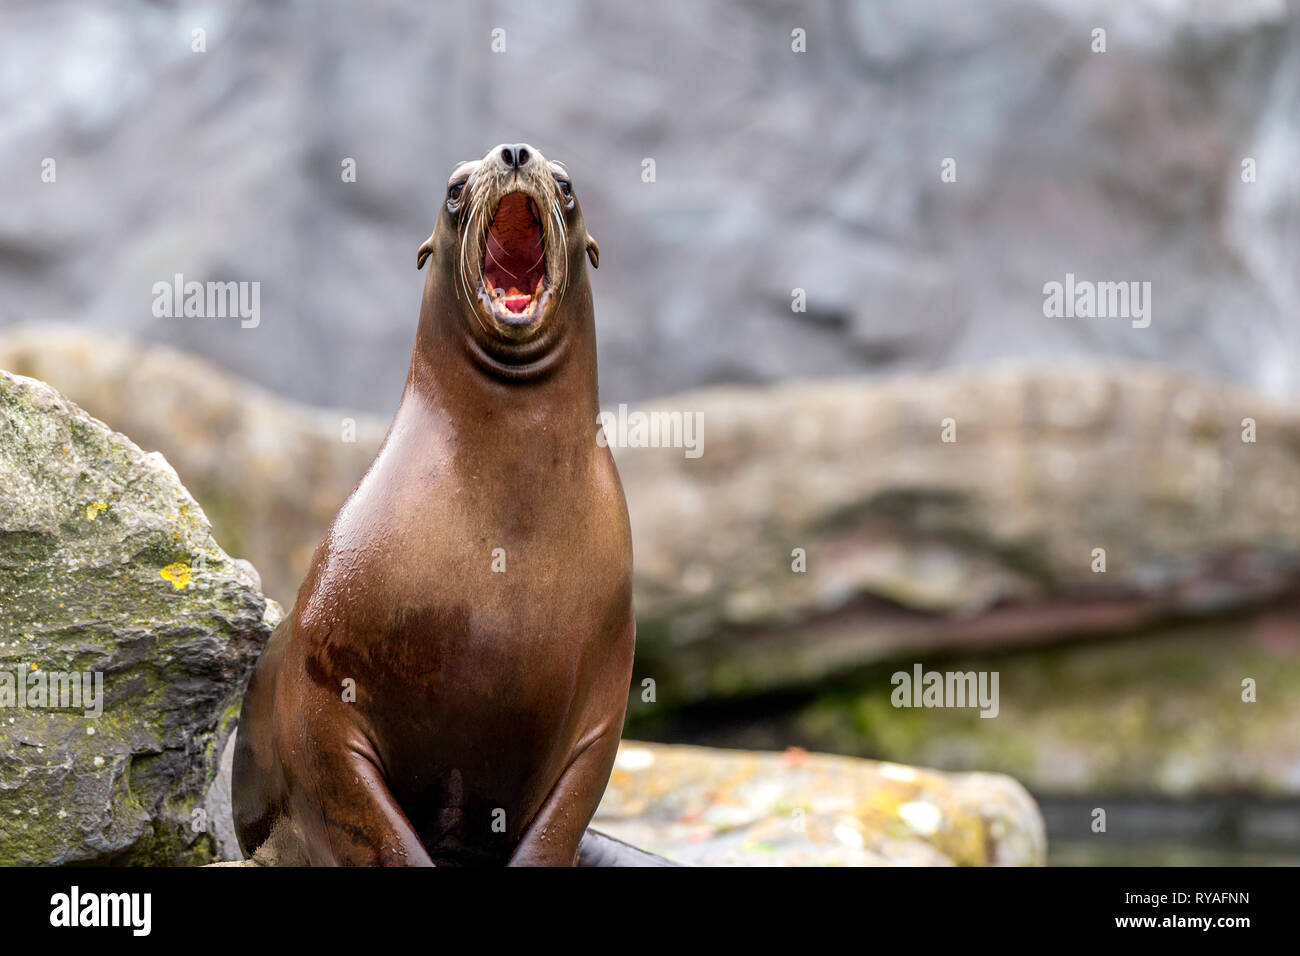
480,630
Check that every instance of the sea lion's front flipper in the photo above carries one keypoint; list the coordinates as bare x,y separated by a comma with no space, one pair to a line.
357,820
554,834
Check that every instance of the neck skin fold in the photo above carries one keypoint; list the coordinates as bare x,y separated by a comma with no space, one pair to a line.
550,381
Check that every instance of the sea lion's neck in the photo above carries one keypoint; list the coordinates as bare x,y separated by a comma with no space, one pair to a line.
455,368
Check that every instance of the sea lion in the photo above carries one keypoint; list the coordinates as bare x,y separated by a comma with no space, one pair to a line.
450,686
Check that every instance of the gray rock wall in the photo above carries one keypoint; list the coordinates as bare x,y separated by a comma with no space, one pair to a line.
774,170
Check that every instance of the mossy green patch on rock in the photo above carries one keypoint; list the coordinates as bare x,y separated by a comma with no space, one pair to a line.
1155,713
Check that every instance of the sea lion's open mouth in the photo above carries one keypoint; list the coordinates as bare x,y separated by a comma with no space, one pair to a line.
514,259
513,241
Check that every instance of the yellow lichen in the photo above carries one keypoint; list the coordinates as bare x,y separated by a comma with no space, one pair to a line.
178,574
92,511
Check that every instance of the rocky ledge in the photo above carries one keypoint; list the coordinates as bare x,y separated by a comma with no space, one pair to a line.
740,808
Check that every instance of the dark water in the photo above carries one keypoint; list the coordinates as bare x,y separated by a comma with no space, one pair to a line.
1072,853
1221,831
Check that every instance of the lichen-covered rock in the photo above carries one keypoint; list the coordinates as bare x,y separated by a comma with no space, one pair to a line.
109,571
724,807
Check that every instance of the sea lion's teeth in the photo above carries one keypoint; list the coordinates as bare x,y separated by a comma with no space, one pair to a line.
498,292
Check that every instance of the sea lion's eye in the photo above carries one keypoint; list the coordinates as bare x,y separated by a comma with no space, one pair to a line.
566,188
453,193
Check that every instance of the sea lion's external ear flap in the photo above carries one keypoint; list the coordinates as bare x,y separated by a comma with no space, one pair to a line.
426,250
593,252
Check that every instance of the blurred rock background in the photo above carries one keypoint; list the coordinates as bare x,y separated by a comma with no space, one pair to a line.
775,171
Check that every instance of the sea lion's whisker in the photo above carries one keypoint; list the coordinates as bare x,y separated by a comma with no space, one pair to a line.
564,242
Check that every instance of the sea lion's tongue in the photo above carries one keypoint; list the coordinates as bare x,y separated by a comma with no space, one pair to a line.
514,251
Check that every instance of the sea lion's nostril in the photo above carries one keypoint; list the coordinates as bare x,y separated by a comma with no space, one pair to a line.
522,155
509,157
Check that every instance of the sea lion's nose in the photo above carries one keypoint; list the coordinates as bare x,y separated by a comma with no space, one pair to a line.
516,155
